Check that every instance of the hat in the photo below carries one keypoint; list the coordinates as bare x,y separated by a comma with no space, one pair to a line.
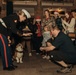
56,12
26,13
37,18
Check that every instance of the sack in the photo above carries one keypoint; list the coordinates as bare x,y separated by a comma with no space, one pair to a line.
72,35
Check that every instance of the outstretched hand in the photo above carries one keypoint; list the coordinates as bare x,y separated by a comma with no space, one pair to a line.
42,48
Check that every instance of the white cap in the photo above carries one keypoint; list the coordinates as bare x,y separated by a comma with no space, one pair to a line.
26,13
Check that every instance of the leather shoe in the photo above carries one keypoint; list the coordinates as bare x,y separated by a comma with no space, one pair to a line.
14,66
65,69
9,68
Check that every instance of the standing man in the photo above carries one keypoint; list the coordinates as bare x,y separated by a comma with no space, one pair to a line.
8,26
62,50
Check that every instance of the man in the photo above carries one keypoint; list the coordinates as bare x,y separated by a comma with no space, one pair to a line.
8,26
58,20
62,50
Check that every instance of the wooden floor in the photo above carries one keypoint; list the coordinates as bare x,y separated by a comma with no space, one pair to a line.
35,65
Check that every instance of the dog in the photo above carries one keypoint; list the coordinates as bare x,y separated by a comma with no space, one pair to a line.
19,53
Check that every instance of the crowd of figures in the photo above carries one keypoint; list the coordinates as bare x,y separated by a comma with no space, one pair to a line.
40,28
43,35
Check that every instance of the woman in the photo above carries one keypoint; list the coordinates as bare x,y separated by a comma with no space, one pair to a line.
47,20
68,23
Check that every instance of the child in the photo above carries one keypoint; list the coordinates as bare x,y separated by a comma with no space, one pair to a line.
37,35
46,36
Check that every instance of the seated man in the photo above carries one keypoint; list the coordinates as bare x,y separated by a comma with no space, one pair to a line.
62,50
